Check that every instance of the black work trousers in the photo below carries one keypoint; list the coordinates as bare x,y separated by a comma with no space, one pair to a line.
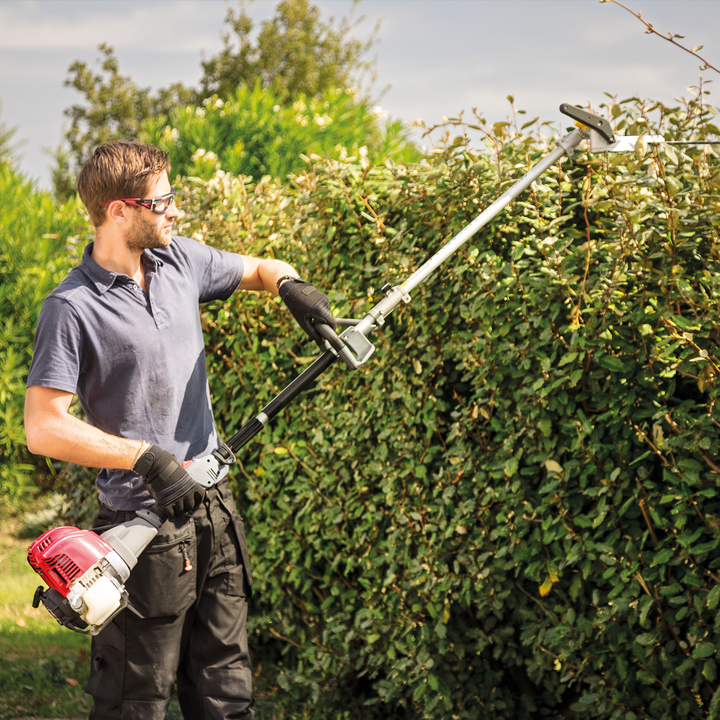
189,594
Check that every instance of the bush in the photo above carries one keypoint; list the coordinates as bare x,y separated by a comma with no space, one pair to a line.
257,133
35,236
511,510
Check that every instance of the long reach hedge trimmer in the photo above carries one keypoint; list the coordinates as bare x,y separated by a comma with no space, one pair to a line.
86,572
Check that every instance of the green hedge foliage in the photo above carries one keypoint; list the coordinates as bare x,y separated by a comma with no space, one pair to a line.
511,511
257,133
37,241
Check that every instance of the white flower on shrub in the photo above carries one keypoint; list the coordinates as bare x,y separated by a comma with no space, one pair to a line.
171,134
205,155
322,120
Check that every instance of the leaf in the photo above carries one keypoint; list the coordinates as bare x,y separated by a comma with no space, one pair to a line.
553,466
621,666
648,638
546,587
703,650
671,154
641,146
567,358
713,597
662,557
585,702
611,363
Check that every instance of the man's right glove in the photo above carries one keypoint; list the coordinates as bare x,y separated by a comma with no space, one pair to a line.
307,305
174,490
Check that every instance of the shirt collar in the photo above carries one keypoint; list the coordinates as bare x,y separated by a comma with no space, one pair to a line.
104,279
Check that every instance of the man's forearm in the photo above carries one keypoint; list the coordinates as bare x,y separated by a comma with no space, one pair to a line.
55,433
263,275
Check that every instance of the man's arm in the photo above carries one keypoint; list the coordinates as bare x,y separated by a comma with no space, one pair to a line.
263,274
306,303
52,431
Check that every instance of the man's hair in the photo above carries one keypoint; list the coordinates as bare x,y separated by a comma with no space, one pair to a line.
118,170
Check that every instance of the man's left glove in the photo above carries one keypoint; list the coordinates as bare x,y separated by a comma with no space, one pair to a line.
307,305
174,490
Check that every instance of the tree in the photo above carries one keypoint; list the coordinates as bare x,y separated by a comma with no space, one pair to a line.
114,106
8,145
296,52
63,172
254,132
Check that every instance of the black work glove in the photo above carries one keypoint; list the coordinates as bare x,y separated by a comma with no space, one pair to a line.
307,305
174,490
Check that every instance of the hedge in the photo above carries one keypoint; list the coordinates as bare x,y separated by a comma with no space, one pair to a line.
37,245
511,511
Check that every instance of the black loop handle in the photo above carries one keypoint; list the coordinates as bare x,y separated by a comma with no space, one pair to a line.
327,333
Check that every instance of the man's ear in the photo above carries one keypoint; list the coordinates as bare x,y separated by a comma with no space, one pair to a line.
117,212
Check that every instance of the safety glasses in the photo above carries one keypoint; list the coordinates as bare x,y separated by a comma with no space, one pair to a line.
157,205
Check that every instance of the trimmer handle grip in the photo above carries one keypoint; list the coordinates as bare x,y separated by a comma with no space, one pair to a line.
352,347
589,120
328,334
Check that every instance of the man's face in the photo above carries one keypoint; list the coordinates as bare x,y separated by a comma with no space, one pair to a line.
149,229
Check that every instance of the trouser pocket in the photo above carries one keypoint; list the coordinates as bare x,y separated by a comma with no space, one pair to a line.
239,530
164,581
233,546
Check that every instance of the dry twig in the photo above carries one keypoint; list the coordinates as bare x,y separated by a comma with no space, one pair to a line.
670,37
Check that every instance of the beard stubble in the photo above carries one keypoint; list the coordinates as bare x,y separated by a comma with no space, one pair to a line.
145,235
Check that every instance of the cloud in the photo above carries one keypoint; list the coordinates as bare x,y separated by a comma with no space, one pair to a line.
83,25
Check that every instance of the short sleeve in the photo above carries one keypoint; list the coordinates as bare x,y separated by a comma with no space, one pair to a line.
57,348
218,272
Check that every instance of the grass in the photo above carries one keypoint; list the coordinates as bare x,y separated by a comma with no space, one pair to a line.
43,667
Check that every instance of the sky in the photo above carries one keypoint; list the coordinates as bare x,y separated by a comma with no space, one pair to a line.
435,58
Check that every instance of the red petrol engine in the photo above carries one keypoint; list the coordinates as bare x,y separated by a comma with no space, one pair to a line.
64,554
85,575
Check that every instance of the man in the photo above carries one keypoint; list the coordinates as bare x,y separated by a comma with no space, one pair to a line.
123,332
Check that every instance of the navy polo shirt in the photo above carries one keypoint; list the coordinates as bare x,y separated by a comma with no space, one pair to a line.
136,360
